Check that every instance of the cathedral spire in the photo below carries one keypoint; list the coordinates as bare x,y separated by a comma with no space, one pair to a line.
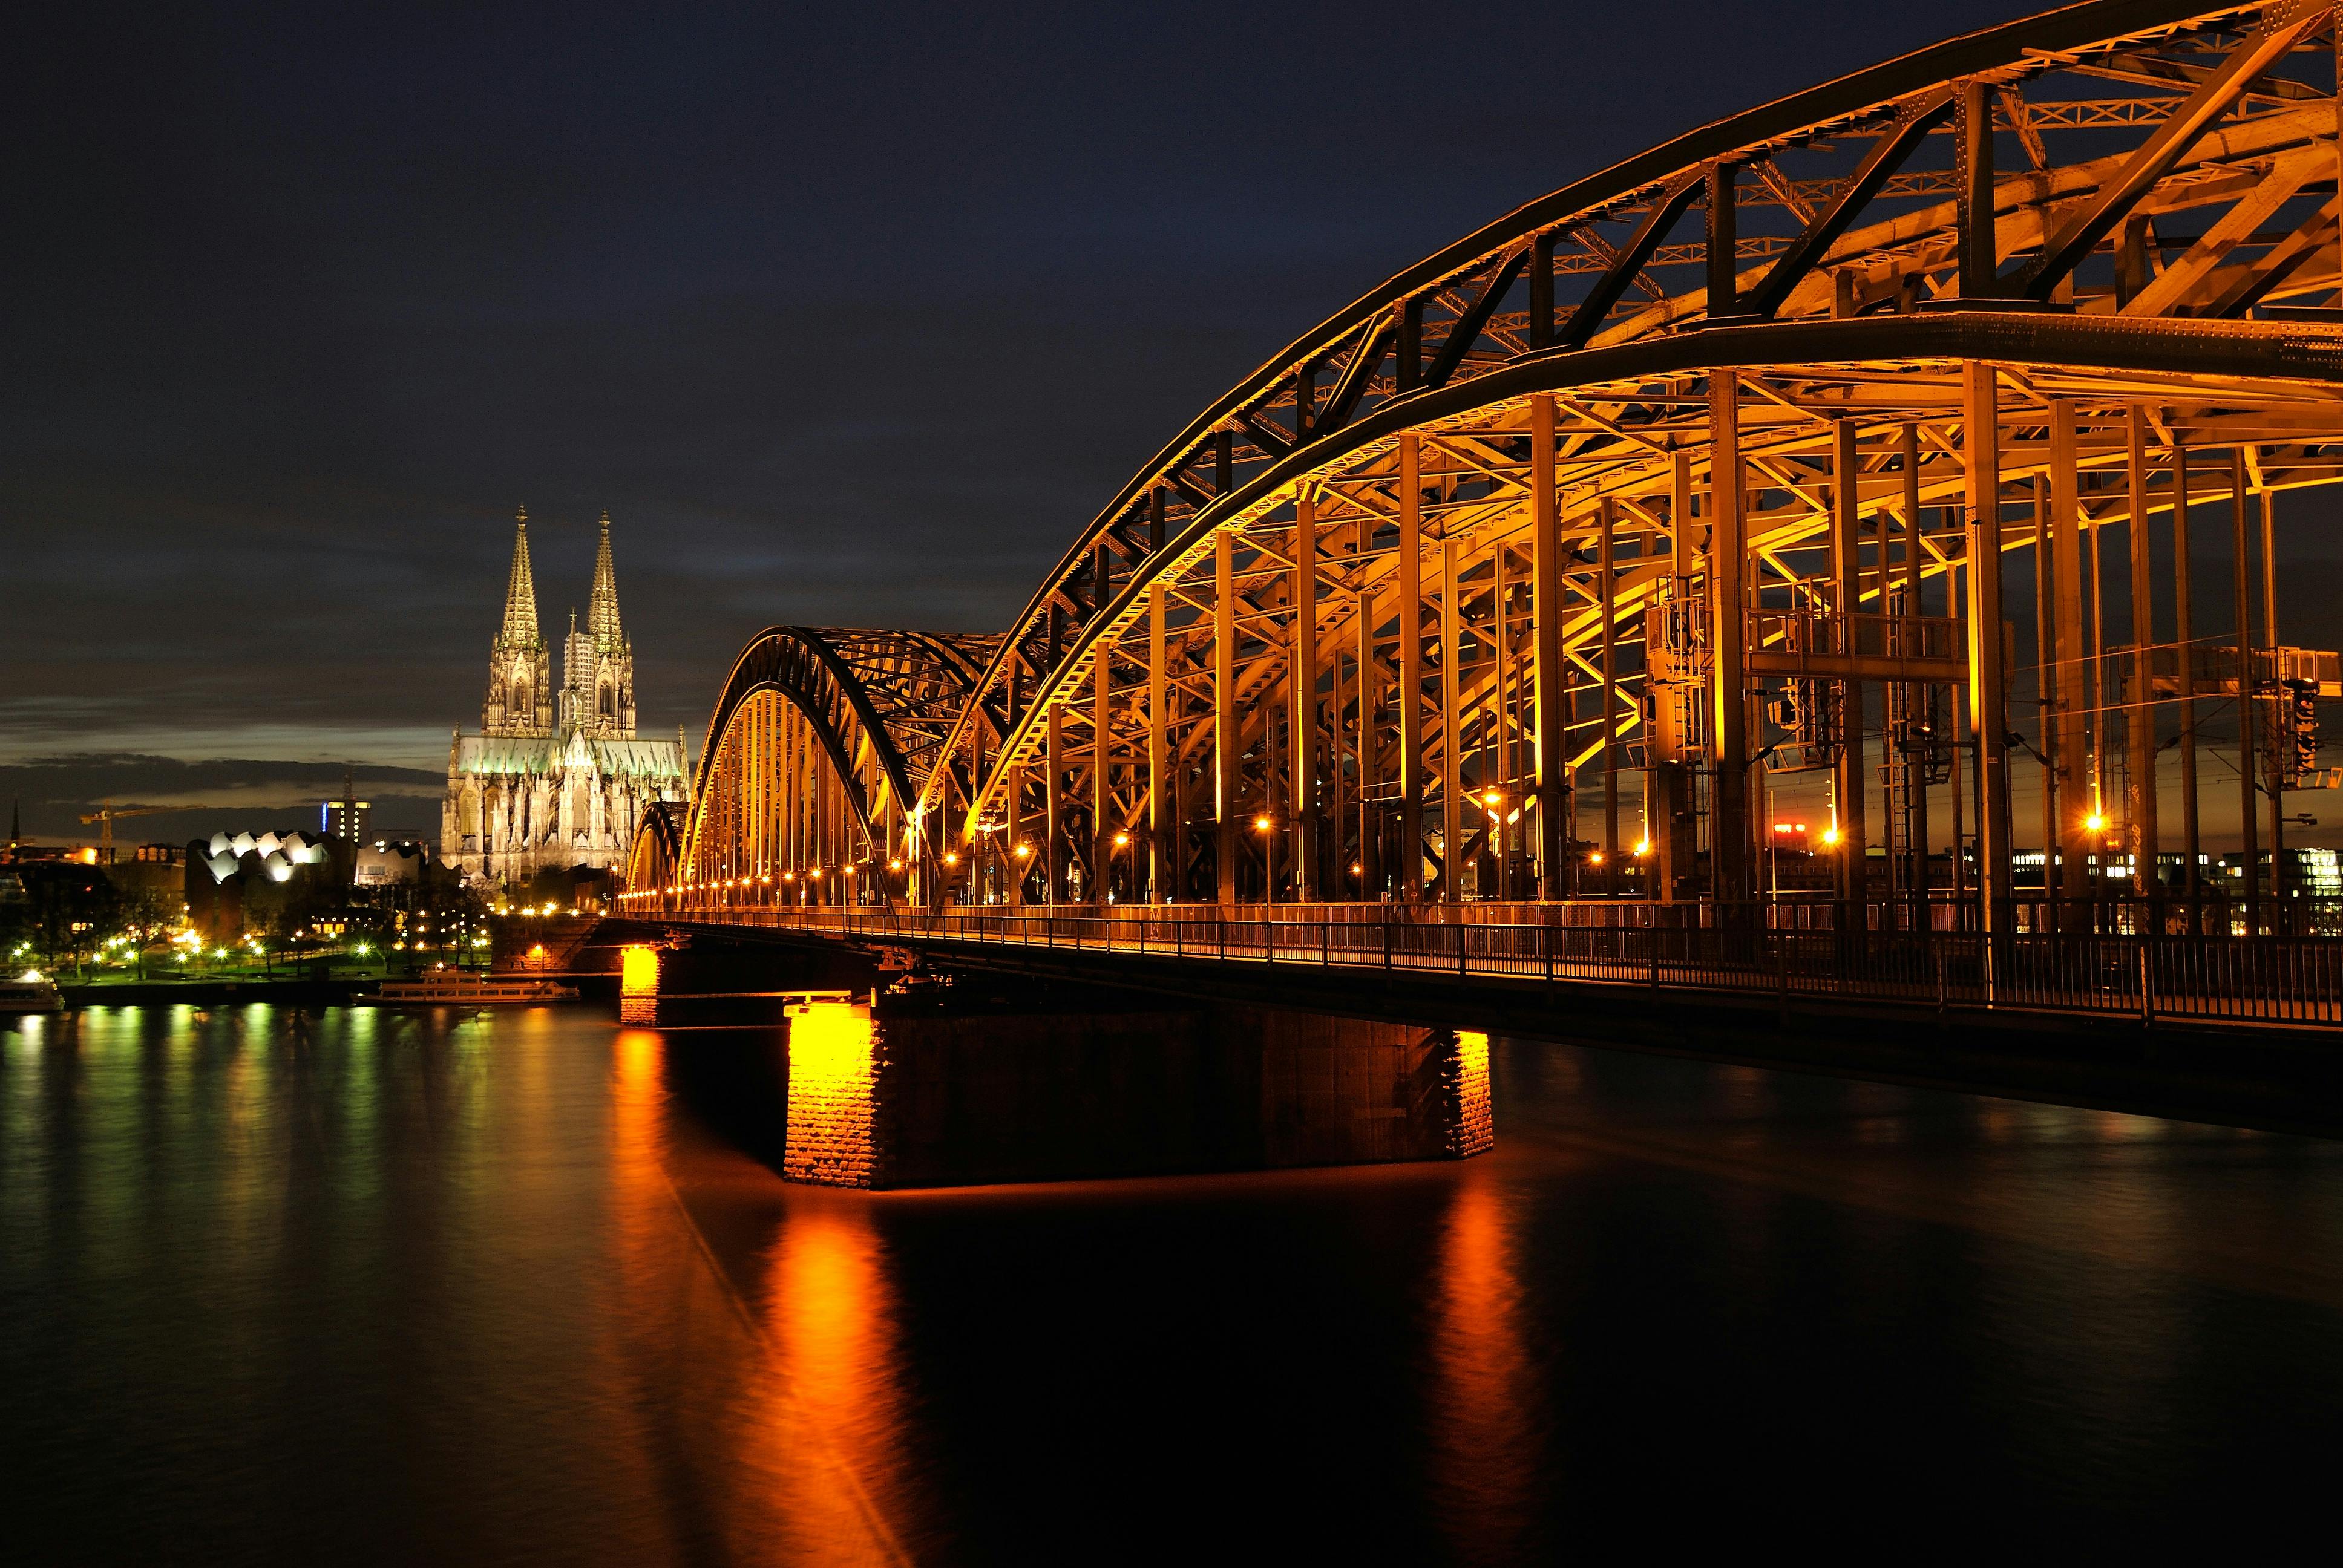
520,596
602,610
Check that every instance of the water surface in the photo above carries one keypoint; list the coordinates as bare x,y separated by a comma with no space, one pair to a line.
370,1287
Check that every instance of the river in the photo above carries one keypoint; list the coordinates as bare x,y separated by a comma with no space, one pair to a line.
364,1287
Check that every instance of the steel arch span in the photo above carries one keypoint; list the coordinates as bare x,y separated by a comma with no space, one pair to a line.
1521,575
817,746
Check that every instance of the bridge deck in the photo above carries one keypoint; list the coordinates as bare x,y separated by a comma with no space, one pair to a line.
2282,983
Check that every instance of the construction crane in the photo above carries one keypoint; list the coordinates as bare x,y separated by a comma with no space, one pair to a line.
105,816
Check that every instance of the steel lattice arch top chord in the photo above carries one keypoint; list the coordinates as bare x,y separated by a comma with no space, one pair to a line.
1842,436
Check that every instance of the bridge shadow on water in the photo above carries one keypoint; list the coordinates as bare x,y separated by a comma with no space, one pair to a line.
969,1078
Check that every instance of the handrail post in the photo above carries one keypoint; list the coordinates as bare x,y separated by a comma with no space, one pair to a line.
1782,976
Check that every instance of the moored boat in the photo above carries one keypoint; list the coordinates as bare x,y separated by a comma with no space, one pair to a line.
455,989
31,992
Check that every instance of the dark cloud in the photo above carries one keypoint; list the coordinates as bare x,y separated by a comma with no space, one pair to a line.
201,795
850,317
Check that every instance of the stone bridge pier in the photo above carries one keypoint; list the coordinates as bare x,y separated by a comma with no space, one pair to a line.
896,1094
988,1078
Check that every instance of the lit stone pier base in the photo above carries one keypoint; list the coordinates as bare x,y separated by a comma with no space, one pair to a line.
834,1066
914,1098
1463,1059
638,984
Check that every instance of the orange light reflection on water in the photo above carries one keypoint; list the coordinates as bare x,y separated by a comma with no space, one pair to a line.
830,1414
775,1362
1485,1431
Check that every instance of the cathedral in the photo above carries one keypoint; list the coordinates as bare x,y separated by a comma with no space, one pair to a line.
555,778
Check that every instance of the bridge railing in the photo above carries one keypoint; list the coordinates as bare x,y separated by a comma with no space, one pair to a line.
2296,980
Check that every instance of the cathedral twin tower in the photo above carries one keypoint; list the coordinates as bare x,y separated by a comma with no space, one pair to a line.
598,665
555,778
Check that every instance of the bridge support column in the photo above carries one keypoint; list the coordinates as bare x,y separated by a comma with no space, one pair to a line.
1606,580
1851,781
1098,875
1728,580
2191,838
1302,804
1369,760
2076,710
2273,735
1669,813
1917,706
1053,816
1988,688
1163,798
1408,574
1452,729
2242,618
2139,731
1226,736
1549,692
1017,854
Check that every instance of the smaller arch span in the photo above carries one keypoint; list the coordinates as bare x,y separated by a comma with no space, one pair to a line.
654,857
816,752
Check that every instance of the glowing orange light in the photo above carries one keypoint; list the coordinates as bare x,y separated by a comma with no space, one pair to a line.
1492,799
1260,824
952,859
638,973
815,873
1121,841
1593,857
894,865
831,1079
1830,835
1023,850
2094,822
1643,847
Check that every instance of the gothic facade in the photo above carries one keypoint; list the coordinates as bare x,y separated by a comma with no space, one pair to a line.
556,777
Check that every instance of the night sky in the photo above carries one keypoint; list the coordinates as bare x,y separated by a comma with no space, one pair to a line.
851,318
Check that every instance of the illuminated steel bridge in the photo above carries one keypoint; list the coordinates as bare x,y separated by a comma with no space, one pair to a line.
1885,434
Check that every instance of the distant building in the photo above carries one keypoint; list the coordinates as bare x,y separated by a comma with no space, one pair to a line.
349,818
45,854
227,871
275,855
555,778
386,864
159,869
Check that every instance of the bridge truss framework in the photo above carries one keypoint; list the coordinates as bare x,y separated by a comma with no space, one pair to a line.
1861,433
